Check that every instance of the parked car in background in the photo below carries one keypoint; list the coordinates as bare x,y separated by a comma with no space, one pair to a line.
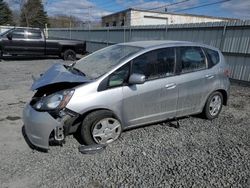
32,41
125,86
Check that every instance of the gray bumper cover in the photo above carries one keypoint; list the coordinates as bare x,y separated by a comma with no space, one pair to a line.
38,126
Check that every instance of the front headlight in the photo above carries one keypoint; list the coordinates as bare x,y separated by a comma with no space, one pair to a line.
54,101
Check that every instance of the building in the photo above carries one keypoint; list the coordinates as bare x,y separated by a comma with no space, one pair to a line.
138,17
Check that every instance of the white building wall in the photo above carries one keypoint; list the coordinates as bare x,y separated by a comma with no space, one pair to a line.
151,18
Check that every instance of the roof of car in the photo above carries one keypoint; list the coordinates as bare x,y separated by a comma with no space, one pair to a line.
156,43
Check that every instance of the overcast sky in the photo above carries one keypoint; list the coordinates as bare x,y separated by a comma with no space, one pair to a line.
94,9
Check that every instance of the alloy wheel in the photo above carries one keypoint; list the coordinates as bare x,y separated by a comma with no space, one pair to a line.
215,105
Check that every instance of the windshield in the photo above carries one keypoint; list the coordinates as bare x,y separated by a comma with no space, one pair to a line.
102,61
2,34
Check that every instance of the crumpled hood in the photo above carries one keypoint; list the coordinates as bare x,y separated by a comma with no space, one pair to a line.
57,74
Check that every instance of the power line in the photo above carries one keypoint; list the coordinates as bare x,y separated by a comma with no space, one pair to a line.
200,6
194,7
168,5
190,8
110,5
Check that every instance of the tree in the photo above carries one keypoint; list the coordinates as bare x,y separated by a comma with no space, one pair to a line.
33,14
6,17
65,21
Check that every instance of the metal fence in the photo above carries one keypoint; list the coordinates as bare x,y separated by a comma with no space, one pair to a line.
232,38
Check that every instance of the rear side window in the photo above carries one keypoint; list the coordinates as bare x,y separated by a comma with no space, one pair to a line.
213,57
155,64
34,34
18,34
192,59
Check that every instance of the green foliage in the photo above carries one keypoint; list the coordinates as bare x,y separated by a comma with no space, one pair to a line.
33,14
5,14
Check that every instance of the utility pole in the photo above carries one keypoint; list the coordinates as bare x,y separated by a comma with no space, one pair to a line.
89,17
70,24
124,32
89,22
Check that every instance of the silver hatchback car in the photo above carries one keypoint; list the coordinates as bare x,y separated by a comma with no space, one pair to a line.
124,86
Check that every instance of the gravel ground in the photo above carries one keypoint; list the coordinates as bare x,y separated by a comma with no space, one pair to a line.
200,153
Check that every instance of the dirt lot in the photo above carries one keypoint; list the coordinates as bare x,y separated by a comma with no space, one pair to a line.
200,153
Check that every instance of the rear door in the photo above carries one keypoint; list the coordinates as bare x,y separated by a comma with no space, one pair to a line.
156,99
213,75
35,42
191,80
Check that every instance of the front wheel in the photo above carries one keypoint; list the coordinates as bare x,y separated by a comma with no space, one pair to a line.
100,127
213,105
69,55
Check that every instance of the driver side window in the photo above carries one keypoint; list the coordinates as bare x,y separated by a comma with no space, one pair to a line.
18,34
155,64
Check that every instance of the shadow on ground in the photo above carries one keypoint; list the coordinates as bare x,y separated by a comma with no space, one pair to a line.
31,58
28,58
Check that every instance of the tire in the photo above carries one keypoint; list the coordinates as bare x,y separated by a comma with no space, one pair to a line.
61,56
95,131
69,55
1,54
213,106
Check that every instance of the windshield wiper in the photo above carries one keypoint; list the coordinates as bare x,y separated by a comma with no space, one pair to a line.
73,64
74,70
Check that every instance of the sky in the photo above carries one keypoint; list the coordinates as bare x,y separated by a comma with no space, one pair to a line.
94,9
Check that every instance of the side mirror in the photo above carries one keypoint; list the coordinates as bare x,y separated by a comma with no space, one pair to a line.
137,79
9,36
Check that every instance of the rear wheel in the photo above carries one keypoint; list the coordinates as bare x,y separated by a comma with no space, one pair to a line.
69,55
100,127
213,105
1,54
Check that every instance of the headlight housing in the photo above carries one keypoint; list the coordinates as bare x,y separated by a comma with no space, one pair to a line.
55,101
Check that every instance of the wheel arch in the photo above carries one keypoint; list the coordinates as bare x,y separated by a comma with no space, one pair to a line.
96,109
88,118
84,114
68,47
224,94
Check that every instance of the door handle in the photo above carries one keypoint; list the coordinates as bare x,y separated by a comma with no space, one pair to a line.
170,86
209,76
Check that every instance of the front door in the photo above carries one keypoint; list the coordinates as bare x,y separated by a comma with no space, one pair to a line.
156,99
16,45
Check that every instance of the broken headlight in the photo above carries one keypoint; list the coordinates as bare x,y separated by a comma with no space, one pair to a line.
54,101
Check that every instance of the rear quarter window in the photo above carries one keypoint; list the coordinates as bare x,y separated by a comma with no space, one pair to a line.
213,57
192,59
34,34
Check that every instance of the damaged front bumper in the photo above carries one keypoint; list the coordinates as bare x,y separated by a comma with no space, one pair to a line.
39,126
